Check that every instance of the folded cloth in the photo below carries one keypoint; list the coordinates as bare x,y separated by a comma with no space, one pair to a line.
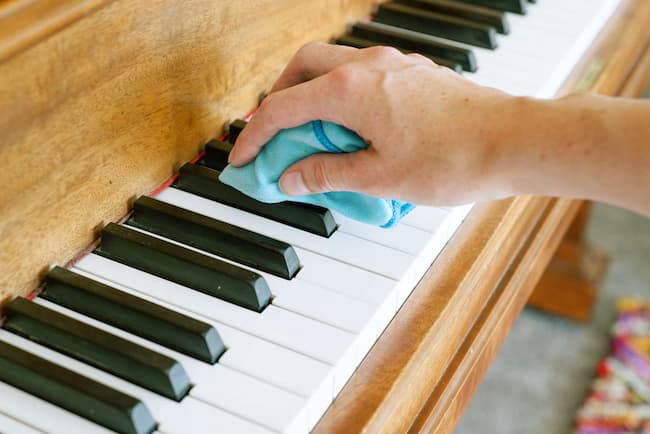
259,178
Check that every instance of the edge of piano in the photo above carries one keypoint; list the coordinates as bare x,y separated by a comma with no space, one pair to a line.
453,323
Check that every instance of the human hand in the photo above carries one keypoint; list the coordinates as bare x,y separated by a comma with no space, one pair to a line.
432,135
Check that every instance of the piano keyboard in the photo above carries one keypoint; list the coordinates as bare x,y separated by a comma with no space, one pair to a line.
208,312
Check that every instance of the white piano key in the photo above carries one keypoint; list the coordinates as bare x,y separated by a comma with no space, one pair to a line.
542,47
576,47
340,246
320,341
400,237
247,353
344,278
426,218
10,425
221,386
366,322
305,299
410,272
42,415
206,380
504,69
449,224
410,275
189,415
322,305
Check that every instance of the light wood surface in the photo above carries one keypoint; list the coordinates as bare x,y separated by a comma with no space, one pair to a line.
639,80
108,107
569,285
24,23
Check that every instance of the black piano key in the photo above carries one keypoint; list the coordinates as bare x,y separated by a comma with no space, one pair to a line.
214,236
74,392
414,41
436,24
516,6
98,348
184,266
235,128
204,182
352,41
477,14
133,314
216,154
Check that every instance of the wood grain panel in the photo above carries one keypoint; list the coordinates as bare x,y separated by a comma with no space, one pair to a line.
26,22
108,107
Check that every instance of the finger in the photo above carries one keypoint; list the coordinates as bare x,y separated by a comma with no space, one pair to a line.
328,97
311,61
331,172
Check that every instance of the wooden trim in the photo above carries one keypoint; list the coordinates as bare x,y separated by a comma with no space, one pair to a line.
455,388
24,23
639,80
569,285
630,46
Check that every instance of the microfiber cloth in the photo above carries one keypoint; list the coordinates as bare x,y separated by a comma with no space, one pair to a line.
259,178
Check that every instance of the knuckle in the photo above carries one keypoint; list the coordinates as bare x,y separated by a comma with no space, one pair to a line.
420,58
309,47
304,53
267,102
345,76
383,53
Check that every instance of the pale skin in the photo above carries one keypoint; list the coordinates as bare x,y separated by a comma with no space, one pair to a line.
435,138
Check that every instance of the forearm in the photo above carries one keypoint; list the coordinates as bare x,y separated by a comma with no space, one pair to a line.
581,146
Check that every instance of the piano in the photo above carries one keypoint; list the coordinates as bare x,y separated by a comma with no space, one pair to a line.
141,295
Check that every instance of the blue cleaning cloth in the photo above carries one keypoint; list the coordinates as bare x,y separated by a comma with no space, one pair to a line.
259,178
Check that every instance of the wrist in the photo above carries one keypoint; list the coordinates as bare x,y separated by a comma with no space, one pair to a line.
580,146
506,158
541,145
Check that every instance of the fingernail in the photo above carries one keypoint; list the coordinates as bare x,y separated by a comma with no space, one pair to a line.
234,157
293,184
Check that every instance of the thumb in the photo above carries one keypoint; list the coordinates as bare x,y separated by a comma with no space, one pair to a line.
329,172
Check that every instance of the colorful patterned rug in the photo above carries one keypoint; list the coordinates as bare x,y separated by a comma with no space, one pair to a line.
619,400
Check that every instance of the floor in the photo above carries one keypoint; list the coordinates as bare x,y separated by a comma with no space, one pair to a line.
543,370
